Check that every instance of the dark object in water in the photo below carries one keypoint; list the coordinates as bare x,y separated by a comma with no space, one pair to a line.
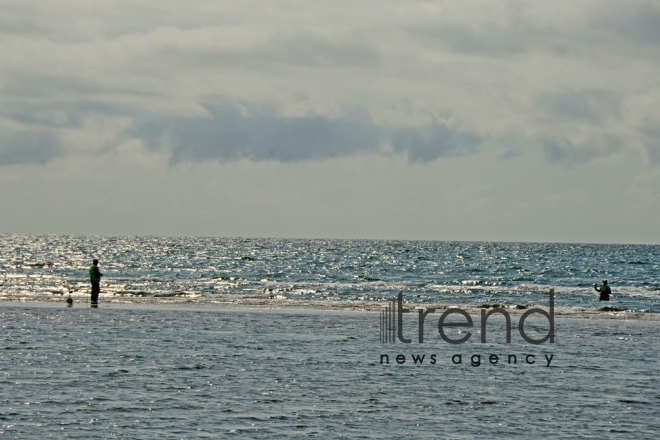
612,309
488,306
69,301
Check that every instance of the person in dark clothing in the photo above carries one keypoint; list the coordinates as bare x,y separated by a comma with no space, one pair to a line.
95,279
604,290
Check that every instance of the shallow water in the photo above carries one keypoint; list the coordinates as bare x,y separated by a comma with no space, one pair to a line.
129,371
319,273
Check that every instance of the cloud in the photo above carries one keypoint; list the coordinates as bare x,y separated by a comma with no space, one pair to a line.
490,41
57,113
593,106
652,143
228,135
510,154
231,134
637,22
427,144
309,49
185,98
315,82
23,147
563,151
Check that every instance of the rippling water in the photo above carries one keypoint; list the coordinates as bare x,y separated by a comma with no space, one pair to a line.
207,271
166,357
132,371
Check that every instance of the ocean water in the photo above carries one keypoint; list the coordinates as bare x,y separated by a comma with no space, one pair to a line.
258,338
157,372
328,273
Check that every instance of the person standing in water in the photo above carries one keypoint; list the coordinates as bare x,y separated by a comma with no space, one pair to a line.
604,290
95,279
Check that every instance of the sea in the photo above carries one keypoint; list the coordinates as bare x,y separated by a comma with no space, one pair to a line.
356,274
283,338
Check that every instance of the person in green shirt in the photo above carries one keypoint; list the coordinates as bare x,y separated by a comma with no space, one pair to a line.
604,290
95,279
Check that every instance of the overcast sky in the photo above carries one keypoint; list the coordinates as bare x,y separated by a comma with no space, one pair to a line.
451,120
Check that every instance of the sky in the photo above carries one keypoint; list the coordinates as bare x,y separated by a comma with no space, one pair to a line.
433,120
